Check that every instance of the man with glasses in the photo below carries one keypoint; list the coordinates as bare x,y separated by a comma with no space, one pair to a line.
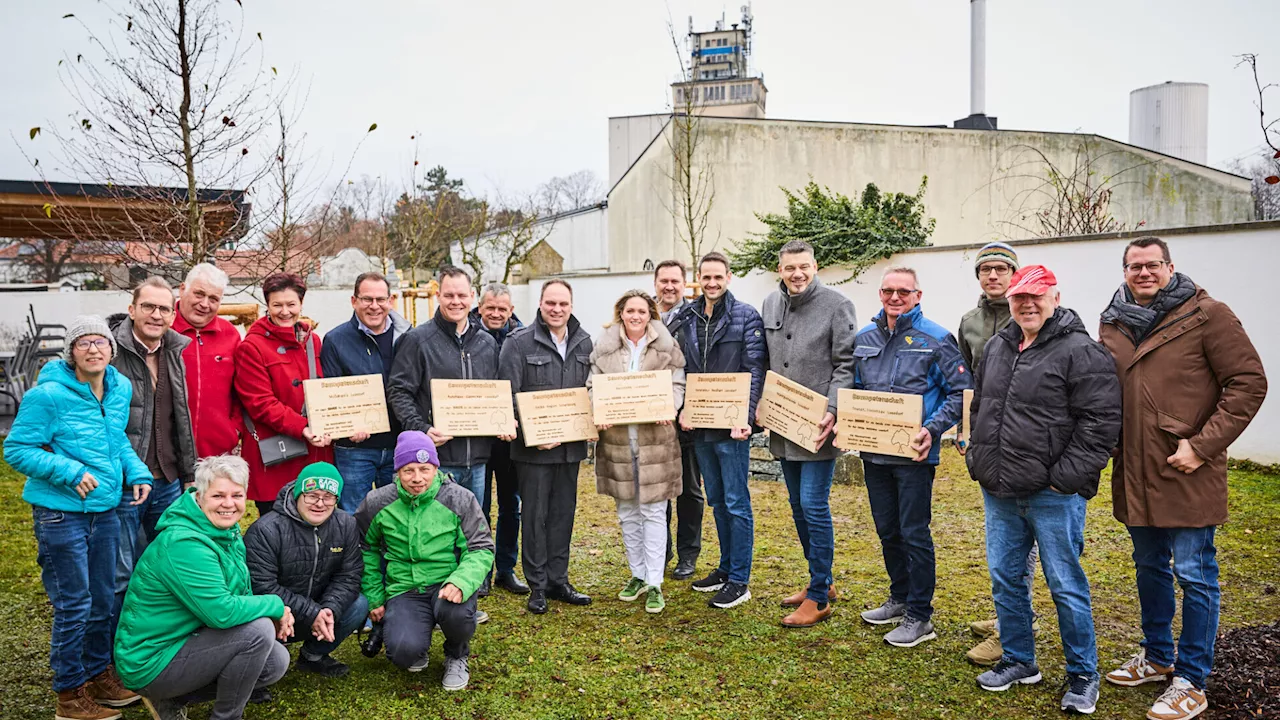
1191,381
901,351
308,553
364,345
159,426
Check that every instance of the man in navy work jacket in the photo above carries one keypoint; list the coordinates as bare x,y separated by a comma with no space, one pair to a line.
364,345
901,351
721,334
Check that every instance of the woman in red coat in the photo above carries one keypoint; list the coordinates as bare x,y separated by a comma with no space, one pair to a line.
271,364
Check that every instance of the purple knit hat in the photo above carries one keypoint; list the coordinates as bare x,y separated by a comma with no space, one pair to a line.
414,446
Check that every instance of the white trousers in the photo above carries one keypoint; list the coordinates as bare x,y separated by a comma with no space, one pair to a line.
644,534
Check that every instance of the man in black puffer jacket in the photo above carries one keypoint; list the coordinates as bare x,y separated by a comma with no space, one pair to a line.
308,553
1046,417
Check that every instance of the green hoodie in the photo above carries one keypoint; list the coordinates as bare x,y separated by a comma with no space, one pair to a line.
440,536
192,576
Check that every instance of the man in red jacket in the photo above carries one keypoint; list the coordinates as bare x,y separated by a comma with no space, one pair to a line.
210,361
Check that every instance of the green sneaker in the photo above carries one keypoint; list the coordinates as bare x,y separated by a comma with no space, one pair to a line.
632,591
654,603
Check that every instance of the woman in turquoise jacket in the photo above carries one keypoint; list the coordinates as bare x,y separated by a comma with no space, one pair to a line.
68,439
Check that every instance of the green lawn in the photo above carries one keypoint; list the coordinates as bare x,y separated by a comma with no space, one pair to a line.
612,660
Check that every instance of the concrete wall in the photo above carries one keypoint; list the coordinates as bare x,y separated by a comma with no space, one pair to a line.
628,137
982,185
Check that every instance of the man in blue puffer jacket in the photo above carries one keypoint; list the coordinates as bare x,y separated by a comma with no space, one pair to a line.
69,440
723,335
901,351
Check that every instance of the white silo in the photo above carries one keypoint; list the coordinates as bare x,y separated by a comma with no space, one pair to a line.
1171,118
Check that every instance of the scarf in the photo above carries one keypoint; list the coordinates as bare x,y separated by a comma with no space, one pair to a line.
1142,320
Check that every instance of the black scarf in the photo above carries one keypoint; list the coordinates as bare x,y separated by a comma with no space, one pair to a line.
1142,320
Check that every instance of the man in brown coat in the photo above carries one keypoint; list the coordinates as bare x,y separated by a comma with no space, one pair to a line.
1192,381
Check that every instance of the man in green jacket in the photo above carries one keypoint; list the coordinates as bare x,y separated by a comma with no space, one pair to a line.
427,549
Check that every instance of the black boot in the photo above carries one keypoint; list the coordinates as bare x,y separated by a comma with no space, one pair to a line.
567,594
538,602
511,583
484,589
685,569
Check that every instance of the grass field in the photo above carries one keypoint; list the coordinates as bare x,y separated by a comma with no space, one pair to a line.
612,660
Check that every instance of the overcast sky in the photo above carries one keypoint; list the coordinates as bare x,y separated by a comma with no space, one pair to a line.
507,94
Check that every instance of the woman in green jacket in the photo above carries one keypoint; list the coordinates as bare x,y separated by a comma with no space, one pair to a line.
190,619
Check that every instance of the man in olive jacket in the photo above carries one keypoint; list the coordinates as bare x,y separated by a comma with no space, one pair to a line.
308,553
1192,382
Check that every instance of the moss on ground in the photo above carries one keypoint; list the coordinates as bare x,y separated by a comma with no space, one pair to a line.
612,660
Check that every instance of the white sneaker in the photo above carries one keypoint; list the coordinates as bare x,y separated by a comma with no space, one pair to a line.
1180,701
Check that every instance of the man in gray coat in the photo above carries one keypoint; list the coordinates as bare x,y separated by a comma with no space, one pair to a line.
159,426
809,330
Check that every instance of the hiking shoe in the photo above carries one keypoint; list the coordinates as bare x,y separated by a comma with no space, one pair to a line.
633,590
890,612
1080,694
481,617
456,675
165,709
730,595
421,665
712,582
983,628
1181,700
76,704
1137,670
911,633
106,689
654,603
1008,673
986,653
324,666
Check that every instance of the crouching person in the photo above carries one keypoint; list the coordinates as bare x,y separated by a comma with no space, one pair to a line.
426,549
191,628
307,552
1046,415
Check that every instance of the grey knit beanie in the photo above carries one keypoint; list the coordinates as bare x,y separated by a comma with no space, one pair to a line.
89,325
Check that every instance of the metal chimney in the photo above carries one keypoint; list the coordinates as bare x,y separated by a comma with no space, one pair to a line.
978,119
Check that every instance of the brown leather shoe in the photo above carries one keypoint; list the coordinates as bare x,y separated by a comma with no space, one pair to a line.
106,689
77,705
794,601
807,615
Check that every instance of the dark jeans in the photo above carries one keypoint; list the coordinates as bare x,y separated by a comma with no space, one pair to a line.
410,618
1056,522
809,492
348,621
502,475
902,506
362,470
549,494
689,505
725,469
471,477
137,530
225,664
1195,565
77,557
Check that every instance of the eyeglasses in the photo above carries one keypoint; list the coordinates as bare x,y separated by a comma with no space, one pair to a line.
999,269
151,309
1151,267
900,292
101,344
366,300
323,499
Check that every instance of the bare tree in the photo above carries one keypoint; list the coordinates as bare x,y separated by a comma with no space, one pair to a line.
1265,170
692,178
571,192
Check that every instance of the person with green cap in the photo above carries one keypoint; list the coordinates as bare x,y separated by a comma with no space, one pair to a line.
307,552
427,550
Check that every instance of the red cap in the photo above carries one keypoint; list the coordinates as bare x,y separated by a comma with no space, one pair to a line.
1032,280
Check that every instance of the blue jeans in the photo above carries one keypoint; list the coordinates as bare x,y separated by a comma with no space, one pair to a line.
809,492
471,478
77,557
725,469
500,473
902,506
137,530
362,470
1195,564
1056,522
350,620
